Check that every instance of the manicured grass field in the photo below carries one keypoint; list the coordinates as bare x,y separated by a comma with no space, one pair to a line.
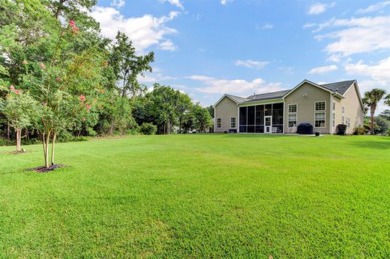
200,196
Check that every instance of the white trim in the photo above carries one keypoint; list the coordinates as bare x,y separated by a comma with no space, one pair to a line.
270,127
223,97
261,102
319,102
308,82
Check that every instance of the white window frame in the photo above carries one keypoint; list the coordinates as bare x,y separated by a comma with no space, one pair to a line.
296,107
319,112
315,119
233,122
219,123
315,106
288,120
334,120
295,113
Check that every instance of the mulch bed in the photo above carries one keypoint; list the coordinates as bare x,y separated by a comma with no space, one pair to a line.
43,169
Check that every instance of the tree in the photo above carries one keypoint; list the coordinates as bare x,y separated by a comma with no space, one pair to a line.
127,66
387,100
202,118
20,109
371,100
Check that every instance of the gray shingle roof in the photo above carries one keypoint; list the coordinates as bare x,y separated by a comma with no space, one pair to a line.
265,96
340,87
237,99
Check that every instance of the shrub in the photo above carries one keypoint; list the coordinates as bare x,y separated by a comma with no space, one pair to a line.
148,129
359,130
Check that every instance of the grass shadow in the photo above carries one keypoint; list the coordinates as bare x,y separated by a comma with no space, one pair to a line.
383,144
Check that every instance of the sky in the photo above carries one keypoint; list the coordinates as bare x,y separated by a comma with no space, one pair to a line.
208,48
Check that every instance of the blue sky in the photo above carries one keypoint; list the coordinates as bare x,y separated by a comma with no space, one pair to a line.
207,48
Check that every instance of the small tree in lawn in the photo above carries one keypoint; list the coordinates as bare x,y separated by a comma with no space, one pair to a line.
20,109
62,84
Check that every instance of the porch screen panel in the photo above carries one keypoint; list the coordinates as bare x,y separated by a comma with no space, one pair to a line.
268,110
259,120
277,117
243,119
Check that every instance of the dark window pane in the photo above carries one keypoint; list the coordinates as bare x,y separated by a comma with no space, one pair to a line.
251,115
243,115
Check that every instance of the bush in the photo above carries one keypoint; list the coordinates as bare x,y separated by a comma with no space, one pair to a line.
148,129
359,130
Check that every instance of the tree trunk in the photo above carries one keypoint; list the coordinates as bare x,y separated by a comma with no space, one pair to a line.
8,130
112,128
18,139
52,147
372,123
44,146
46,149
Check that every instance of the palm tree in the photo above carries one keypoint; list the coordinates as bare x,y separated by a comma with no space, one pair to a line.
387,100
371,99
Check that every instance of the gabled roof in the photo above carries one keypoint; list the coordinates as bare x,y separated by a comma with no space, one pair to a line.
235,99
339,87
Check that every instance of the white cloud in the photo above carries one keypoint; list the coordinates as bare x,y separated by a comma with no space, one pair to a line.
251,63
267,26
118,3
323,69
319,8
144,31
356,35
239,86
374,7
224,2
378,72
176,3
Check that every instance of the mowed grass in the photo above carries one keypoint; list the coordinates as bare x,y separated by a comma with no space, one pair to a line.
200,196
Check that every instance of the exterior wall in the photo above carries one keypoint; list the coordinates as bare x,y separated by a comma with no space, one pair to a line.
225,110
352,109
305,97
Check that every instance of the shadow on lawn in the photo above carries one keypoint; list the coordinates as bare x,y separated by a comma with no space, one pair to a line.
374,144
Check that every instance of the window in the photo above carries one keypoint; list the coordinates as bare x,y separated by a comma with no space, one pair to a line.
320,120
219,122
320,106
292,116
334,106
342,120
343,109
233,122
348,122
292,108
334,120
292,120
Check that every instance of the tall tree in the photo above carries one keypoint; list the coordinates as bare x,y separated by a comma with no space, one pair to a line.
128,66
371,100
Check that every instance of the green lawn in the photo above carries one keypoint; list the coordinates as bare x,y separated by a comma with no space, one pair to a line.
197,196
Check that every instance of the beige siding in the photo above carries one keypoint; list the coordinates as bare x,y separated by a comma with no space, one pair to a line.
305,97
225,110
353,110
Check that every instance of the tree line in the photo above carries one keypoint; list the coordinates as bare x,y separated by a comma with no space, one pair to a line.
59,79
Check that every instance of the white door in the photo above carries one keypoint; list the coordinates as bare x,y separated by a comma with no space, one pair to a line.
268,124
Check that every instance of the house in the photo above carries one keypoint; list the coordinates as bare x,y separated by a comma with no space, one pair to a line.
323,106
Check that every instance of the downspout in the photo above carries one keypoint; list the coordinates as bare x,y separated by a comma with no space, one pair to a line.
331,114
238,119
